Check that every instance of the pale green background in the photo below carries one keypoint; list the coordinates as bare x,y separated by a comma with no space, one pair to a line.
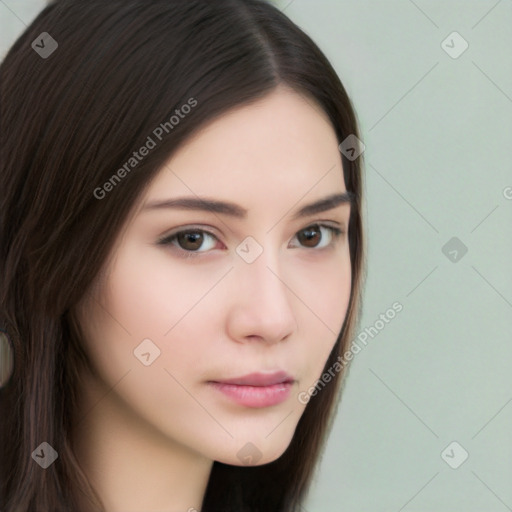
438,133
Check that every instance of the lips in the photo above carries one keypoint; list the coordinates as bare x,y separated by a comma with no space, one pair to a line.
259,379
256,390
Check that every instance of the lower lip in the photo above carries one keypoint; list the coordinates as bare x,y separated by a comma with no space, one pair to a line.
255,396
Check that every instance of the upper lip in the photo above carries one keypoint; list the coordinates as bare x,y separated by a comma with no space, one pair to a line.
259,379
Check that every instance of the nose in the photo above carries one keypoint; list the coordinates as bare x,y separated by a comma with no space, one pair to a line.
260,307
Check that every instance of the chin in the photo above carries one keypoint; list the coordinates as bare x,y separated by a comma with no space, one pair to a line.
255,454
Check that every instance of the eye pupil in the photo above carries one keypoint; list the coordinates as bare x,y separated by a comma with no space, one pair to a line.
308,235
195,237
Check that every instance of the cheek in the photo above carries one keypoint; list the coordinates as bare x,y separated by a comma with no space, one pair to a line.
142,296
149,293
326,294
148,296
138,302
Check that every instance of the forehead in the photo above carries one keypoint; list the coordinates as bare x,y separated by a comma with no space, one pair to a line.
281,145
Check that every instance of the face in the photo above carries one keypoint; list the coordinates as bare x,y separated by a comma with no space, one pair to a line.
259,289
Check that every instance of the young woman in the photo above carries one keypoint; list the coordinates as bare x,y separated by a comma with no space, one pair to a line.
181,252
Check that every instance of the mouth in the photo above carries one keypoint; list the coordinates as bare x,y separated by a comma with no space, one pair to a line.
256,390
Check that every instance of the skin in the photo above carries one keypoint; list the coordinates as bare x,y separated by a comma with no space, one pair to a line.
147,435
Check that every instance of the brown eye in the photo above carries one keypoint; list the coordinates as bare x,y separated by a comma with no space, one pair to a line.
193,242
310,237
313,237
190,240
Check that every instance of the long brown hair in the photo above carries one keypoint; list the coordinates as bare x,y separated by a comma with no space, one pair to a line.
70,118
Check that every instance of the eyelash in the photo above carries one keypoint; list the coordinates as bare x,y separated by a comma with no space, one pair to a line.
169,239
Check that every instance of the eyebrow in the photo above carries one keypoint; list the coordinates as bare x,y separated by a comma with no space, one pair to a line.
234,210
